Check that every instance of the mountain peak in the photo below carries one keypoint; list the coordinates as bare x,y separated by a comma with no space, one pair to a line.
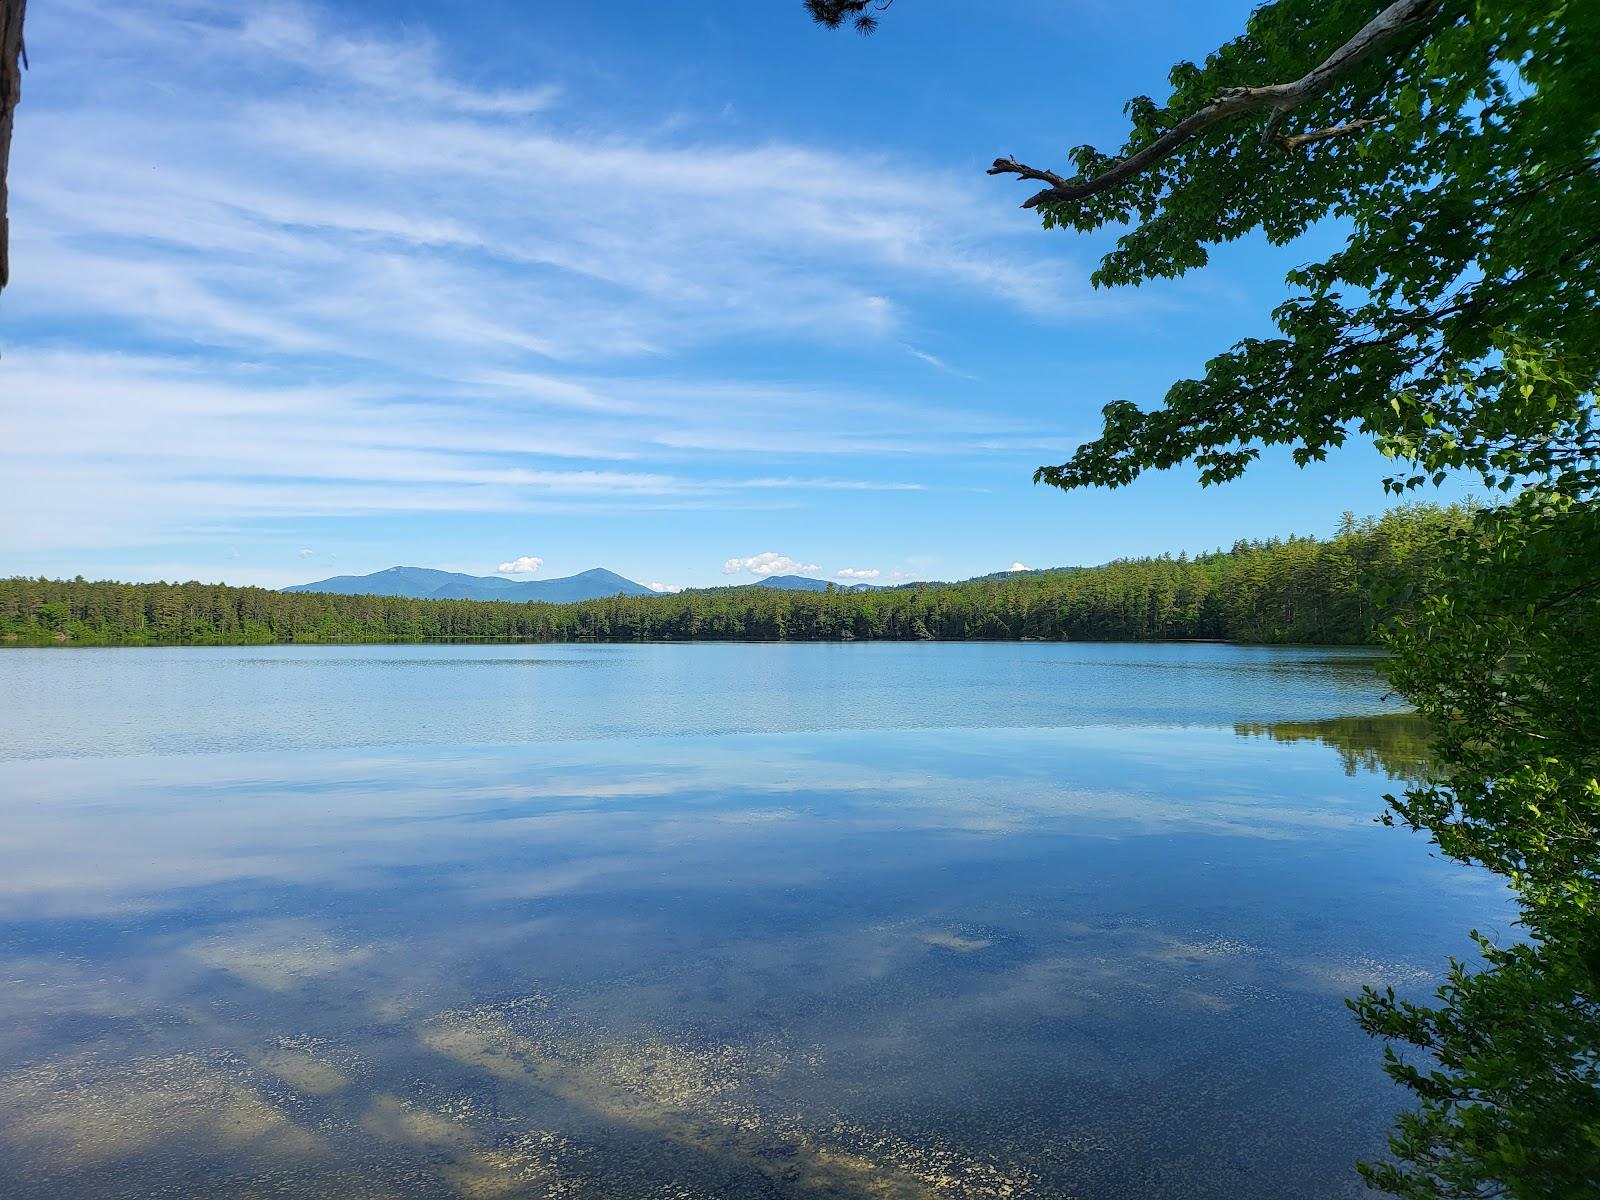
807,583
426,583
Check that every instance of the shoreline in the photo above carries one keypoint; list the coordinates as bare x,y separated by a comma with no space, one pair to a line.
9,643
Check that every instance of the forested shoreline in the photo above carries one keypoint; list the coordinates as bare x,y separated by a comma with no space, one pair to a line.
1333,591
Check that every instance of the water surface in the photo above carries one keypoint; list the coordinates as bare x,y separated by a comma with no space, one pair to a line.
978,920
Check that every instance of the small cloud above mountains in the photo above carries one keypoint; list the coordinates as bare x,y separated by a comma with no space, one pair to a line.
767,563
860,573
527,564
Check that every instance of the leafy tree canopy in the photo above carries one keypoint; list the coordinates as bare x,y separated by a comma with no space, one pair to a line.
1458,324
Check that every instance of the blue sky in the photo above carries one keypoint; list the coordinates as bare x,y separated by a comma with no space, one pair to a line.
690,291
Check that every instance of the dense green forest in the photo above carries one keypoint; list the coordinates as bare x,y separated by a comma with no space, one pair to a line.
1302,589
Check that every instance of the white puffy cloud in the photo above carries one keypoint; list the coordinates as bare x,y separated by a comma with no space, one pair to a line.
768,562
665,588
307,553
860,573
1017,566
526,564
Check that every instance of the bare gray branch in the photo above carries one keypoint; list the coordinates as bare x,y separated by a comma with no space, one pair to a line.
1403,16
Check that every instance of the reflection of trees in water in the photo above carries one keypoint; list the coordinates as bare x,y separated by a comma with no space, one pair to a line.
1395,744
1502,1057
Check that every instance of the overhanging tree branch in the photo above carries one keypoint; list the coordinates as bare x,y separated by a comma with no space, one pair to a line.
1295,140
13,58
1403,16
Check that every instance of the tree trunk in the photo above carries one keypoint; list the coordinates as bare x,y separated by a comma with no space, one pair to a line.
12,59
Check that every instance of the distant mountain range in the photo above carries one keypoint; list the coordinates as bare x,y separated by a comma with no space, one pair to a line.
998,575
421,583
804,583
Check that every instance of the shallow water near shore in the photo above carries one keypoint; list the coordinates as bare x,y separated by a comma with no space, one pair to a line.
964,921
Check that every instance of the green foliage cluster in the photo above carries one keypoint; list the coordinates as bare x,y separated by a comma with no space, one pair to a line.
1503,659
1296,590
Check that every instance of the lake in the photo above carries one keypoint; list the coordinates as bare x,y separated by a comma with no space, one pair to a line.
698,921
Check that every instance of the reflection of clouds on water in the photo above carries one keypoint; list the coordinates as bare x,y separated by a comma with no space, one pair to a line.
1349,975
953,964
714,1099
298,1063
68,1116
946,939
295,1119
277,954
131,836
544,1100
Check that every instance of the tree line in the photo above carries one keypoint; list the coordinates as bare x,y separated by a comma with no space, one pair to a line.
1334,591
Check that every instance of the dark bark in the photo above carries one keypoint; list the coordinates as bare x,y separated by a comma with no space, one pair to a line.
13,58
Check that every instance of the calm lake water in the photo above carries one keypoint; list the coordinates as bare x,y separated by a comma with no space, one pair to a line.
683,922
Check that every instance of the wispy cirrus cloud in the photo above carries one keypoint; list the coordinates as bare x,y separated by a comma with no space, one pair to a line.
406,71
270,264
402,200
137,448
